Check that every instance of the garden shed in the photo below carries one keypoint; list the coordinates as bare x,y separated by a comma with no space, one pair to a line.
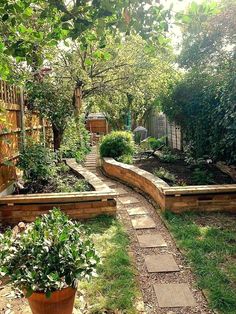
97,125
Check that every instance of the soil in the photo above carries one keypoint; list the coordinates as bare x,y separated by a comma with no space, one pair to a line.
68,179
182,171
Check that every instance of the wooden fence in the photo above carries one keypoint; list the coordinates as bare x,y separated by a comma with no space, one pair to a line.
19,123
158,125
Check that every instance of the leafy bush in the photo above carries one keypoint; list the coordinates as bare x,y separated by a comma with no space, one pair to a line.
201,176
156,143
52,253
117,144
165,174
37,162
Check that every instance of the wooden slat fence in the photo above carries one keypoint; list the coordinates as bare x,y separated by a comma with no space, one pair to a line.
158,125
18,118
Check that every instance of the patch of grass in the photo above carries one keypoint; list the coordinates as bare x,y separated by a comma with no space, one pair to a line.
209,243
115,288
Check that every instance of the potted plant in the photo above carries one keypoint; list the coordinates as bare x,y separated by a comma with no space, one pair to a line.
46,261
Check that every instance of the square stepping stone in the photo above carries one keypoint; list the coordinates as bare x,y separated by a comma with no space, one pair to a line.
137,210
125,200
174,295
161,263
144,222
151,240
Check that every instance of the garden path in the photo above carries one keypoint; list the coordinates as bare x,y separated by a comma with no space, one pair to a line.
167,283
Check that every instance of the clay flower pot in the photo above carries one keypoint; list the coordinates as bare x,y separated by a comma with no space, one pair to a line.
60,302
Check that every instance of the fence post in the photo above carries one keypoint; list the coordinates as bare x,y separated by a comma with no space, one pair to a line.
22,117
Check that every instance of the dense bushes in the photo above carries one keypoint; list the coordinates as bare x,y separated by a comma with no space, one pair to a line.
205,108
117,145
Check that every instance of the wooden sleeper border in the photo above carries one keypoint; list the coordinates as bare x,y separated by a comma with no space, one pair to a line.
79,205
176,199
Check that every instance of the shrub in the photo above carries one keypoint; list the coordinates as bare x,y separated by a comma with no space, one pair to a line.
37,162
201,176
117,144
52,253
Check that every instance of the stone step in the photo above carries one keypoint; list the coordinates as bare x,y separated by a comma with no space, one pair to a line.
174,295
145,222
161,263
151,240
128,200
137,210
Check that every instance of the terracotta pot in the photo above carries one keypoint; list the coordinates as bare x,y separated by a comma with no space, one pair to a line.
60,302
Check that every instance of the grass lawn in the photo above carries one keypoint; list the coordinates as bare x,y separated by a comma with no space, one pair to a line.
115,289
209,243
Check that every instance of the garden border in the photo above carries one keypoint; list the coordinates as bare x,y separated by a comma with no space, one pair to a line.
79,205
176,199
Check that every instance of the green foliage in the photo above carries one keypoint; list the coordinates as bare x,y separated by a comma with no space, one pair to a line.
115,288
37,162
52,253
203,101
117,144
76,139
201,176
164,174
168,157
126,159
30,29
156,143
208,241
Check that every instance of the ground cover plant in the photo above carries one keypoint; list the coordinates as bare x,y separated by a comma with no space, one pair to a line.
209,244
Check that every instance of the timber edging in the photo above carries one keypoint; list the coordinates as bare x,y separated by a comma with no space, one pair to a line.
78,205
177,199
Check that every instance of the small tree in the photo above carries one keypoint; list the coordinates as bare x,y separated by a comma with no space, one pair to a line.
53,99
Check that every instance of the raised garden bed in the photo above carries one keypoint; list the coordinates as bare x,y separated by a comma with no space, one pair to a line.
178,172
78,205
176,199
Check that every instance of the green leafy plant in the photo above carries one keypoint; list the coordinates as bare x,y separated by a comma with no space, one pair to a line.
52,253
164,174
117,144
37,162
201,176
156,143
126,159
168,158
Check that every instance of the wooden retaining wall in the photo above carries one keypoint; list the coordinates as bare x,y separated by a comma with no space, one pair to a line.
176,199
80,205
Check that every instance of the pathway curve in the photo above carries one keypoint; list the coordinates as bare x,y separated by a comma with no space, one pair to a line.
167,284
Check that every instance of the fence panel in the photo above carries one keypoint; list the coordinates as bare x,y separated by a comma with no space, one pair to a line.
158,125
11,131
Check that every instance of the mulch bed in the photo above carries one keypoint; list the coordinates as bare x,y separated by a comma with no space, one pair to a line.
182,171
69,179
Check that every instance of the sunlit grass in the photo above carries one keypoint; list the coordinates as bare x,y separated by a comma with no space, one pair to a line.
115,288
210,249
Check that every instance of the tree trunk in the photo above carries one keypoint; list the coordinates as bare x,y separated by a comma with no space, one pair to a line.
57,137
